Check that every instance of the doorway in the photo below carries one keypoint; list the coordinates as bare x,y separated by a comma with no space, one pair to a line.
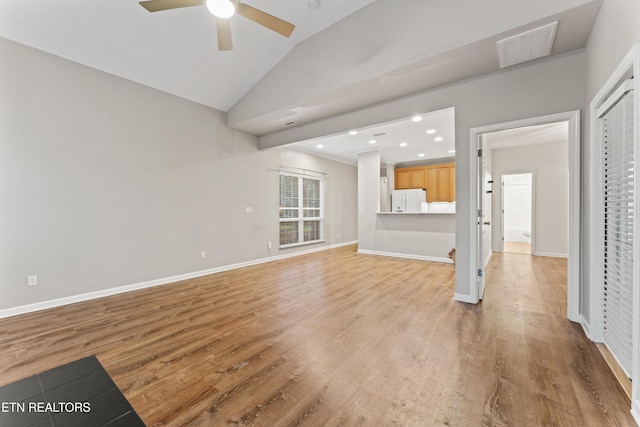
572,119
517,212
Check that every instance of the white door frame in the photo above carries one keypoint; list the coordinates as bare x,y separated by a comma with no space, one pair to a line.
573,268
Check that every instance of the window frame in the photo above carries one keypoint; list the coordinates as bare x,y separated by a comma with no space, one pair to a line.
300,219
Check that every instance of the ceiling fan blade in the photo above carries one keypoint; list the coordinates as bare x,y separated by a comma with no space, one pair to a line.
158,5
223,28
264,19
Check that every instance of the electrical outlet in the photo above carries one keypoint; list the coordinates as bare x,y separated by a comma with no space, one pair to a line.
32,280
268,245
248,210
203,254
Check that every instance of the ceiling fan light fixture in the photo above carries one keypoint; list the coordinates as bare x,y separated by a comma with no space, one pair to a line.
221,8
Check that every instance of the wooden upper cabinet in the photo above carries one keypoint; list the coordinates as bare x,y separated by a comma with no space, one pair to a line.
452,183
438,180
442,193
407,178
403,179
418,178
432,184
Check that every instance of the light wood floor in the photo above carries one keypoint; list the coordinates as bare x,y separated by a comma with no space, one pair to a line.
336,338
517,247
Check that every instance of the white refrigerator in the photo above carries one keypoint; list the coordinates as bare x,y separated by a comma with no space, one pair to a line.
408,200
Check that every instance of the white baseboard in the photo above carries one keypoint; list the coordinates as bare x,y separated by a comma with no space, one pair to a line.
464,298
585,327
312,250
635,410
551,254
407,256
28,308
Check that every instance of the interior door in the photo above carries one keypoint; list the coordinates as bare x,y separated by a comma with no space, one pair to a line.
487,203
480,221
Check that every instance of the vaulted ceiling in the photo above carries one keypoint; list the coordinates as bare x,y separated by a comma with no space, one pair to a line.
175,50
342,55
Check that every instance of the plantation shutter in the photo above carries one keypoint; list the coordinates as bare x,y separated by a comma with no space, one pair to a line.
289,209
301,209
617,121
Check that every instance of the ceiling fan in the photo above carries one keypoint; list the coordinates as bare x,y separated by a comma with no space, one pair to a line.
224,9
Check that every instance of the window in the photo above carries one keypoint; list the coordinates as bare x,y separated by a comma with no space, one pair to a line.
301,209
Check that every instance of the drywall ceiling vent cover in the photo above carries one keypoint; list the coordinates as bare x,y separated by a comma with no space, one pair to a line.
526,46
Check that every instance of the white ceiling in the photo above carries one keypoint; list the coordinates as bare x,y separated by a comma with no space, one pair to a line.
420,145
529,135
174,51
342,56
393,48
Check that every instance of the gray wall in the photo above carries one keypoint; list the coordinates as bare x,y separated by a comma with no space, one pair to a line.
545,87
106,183
549,164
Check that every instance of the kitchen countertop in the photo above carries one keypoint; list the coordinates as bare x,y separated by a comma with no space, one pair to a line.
416,213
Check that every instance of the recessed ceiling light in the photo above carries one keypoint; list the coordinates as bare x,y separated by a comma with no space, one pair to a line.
319,146
372,141
452,151
416,119
431,131
353,132
438,138
403,144
421,155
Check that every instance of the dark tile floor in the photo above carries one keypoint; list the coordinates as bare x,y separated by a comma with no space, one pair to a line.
78,394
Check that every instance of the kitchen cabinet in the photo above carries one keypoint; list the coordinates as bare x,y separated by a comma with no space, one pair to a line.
438,180
452,183
407,178
438,184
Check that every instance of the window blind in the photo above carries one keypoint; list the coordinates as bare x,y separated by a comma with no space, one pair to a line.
619,211
301,210
289,208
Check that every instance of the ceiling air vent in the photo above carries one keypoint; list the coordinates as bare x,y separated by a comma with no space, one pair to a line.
526,46
291,123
